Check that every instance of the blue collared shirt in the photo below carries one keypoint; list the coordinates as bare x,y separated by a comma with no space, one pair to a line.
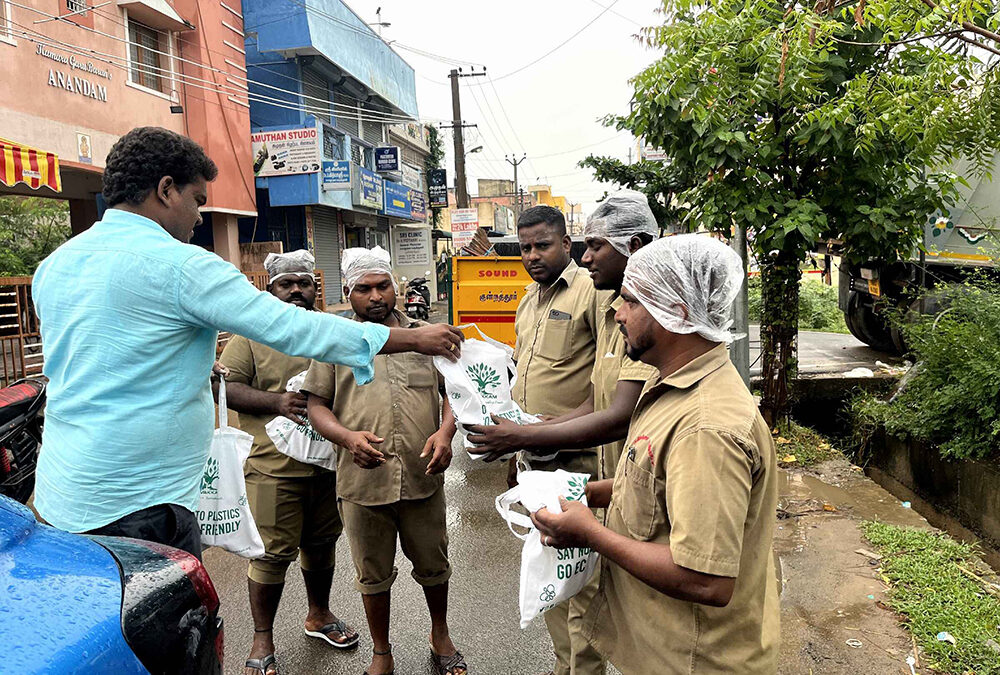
129,321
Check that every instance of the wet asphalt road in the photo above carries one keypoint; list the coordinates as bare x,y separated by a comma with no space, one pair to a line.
483,613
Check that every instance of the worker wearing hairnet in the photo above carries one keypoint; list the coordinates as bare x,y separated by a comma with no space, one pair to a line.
687,579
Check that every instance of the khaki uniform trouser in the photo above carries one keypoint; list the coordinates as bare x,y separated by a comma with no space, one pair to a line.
574,655
421,526
296,517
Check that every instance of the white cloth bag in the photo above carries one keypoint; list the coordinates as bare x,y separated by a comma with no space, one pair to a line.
301,441
549,576
223,512
478,386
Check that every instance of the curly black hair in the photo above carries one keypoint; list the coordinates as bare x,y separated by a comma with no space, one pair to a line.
144,155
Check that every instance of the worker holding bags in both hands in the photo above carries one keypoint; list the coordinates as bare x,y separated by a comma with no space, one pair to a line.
394,437
687,579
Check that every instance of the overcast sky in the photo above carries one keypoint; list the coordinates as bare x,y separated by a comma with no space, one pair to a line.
553,106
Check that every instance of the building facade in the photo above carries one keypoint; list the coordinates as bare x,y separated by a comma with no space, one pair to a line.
79,74
336,148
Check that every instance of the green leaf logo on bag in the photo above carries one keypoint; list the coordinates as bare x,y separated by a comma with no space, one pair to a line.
485,378
576,489
210,476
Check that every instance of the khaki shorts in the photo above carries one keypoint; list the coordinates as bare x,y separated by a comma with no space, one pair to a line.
296,517
423,534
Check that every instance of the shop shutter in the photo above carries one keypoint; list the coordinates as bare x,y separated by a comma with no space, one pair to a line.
327,242
316,86
347,116
371,132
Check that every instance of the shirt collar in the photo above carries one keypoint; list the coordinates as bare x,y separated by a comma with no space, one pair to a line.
567,277
697,369
404,321
612,303
120,217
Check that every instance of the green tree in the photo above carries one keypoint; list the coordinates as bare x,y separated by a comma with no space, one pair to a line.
433,161
815,122
30,229
661,183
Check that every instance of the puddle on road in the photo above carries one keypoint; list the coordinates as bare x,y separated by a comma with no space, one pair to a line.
802,493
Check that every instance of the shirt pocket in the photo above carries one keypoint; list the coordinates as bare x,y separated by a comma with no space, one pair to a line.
638,501
556,341
421,379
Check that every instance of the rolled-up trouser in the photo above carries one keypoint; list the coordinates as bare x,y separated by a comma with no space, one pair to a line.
574,654
296,517
422,529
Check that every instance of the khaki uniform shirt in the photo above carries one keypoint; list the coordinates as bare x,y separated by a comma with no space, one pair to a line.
265,369
401,405
612,365
699,475
556,336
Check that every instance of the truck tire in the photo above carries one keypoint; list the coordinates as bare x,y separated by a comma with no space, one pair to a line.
866,325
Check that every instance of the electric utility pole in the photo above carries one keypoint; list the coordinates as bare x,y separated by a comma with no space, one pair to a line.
514,163
572,206
461,189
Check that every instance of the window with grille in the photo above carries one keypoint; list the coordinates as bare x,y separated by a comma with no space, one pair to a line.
370,159
5,27
357,156
144,49
76,5
333,143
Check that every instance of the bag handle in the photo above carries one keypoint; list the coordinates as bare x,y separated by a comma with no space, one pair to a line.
503,504
511,366
223,410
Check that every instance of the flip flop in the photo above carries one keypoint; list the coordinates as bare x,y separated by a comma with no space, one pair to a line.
338,626
262,664
446,665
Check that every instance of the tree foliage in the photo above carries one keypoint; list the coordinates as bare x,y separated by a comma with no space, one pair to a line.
433,161
30,229
814,122
660,182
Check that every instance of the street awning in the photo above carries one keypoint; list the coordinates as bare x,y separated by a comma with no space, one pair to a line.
20,163
155,14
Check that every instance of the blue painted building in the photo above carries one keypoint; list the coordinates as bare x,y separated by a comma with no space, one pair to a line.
325,90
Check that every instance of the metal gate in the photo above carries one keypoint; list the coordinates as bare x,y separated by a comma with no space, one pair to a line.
326,239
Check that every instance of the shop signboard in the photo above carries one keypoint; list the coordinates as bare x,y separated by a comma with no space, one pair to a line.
366,187
464,223
437,186
336,174
286,152
387,159
411,246
418,205
397,200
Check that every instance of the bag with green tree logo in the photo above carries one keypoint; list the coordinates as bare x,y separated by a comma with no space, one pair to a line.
223,512
478,385
549,576
300,441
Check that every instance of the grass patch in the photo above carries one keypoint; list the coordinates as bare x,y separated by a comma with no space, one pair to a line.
801,446
931,583
818,310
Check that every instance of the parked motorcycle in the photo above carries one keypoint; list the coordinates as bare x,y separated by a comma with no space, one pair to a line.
21,406
418,297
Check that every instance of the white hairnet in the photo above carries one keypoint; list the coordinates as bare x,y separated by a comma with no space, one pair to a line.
357,262
692,271
294,262
620,217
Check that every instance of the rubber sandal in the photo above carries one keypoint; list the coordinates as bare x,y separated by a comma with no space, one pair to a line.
262,664
338,626
446,665
385,653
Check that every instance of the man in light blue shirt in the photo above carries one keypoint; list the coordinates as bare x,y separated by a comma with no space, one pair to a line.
130,314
